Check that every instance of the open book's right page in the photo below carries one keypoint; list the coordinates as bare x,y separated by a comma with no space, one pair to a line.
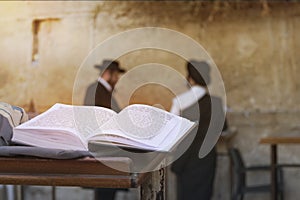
145,127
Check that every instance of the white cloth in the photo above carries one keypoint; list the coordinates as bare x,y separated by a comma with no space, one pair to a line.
15,115
105,83
187,99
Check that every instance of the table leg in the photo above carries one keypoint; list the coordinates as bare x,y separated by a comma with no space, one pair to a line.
18,192
274,189
154,187
53,193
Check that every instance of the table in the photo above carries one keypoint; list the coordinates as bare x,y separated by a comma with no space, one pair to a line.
84,172
273,141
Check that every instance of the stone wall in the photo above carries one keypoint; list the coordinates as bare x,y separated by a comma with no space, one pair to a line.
255,48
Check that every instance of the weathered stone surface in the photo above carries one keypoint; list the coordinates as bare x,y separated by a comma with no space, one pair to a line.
256,53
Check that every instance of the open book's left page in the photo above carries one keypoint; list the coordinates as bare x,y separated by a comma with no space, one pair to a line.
63,127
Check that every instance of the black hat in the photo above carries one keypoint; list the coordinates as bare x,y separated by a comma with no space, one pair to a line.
110,65
199,72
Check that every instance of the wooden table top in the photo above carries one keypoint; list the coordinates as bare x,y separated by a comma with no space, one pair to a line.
280,140
85,172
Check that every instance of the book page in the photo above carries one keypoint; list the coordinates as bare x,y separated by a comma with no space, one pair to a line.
140,121
146,125
80,120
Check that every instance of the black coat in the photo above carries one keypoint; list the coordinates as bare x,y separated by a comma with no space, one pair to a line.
195,176
98,95
89,99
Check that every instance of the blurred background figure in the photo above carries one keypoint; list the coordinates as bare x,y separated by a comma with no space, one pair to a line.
195,176
99,93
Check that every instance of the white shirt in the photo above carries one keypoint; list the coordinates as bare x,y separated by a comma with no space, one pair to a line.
105,83
187,99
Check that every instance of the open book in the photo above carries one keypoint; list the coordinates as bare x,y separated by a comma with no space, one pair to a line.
73,127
